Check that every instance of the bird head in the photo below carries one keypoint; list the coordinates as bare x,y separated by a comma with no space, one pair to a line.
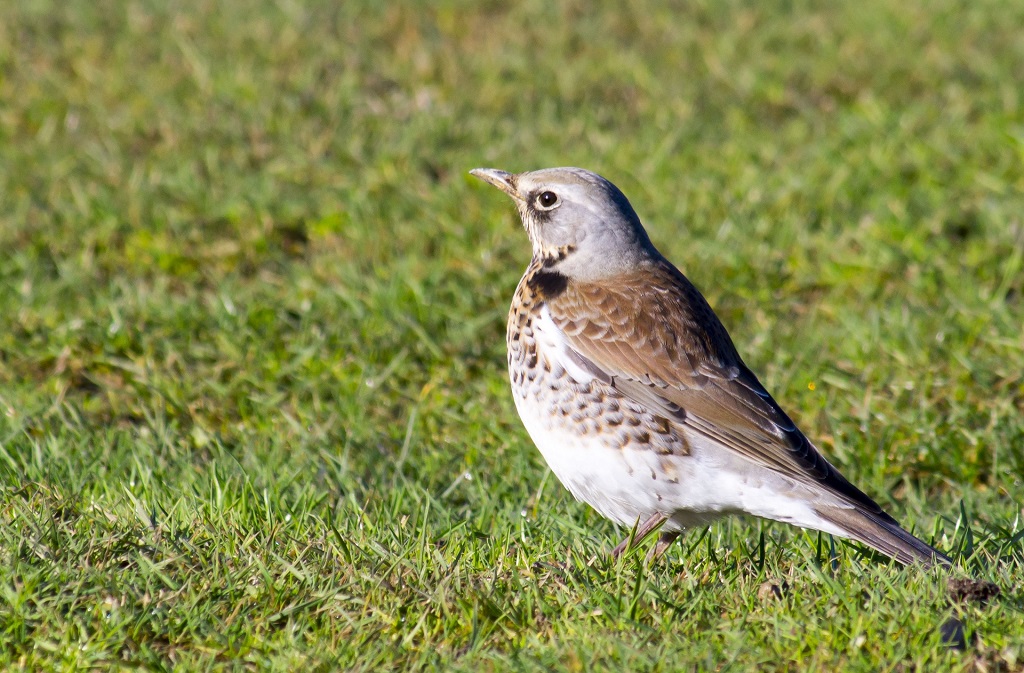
579,223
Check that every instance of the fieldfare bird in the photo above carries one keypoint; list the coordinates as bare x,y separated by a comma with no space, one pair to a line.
634,393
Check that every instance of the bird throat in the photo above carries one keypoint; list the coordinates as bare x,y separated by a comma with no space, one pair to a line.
547,284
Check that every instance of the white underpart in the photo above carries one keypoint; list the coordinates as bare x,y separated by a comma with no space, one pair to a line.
627,485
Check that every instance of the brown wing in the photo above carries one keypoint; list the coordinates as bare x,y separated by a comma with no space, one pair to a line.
660,343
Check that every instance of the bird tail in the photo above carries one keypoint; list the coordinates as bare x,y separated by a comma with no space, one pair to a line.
883,534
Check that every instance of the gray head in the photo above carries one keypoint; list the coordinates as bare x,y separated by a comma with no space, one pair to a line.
576,220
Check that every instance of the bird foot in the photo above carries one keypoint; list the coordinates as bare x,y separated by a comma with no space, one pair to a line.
665,540
641,532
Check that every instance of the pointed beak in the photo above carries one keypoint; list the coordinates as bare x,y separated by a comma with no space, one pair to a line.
503,180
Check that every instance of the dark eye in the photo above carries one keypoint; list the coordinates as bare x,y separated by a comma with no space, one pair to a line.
547,199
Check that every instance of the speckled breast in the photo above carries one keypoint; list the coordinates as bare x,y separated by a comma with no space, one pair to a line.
561,402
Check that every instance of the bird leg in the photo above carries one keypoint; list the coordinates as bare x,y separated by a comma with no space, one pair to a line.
639,533
665,540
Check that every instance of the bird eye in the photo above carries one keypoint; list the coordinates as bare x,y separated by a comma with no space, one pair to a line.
547,200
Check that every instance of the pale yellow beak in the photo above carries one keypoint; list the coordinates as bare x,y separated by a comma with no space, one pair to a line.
503,180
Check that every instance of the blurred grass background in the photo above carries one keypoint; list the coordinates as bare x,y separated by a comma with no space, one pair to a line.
253,401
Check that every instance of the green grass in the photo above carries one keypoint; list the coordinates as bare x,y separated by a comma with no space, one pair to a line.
253,406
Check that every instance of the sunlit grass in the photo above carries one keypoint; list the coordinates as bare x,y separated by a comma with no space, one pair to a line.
254,410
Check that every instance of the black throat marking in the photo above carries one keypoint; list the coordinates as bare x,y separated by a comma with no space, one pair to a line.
548,284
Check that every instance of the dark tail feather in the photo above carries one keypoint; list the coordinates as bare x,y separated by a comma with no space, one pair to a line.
884,536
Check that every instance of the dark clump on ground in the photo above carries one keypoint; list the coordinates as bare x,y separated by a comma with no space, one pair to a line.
954,634
972,591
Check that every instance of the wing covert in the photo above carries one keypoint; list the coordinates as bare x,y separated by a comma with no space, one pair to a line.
661,345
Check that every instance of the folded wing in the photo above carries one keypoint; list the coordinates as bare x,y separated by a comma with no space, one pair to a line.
663,346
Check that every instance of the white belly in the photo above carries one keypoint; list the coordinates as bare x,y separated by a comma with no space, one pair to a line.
626,485
632,482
